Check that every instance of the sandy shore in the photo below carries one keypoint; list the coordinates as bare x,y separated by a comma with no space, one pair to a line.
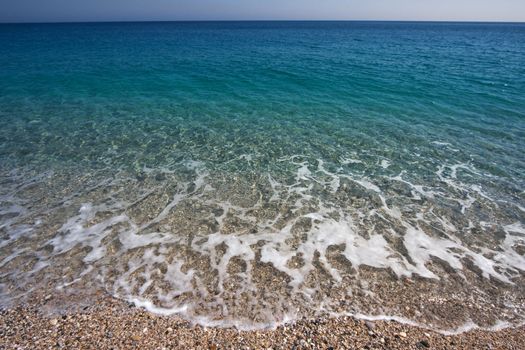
113,324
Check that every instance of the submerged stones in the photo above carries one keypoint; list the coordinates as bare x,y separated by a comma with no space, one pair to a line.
259,249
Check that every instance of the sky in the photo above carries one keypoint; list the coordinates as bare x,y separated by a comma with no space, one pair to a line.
173,10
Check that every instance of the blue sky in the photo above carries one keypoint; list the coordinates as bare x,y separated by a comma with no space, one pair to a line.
125,10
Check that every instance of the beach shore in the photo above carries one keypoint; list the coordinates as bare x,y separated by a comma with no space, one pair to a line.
114,324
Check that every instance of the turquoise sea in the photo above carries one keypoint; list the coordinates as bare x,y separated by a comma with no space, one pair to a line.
253,173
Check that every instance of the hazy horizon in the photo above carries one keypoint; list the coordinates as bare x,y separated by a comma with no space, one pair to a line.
34,11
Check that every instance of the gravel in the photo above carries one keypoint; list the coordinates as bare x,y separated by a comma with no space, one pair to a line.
113,324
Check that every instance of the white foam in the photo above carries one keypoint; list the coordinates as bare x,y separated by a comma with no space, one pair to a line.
76,231
441,143
367,184
347,161
385,164
147,245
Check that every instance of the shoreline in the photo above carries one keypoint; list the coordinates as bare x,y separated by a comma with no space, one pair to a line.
114,324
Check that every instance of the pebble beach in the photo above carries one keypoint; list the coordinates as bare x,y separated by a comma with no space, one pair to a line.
113,324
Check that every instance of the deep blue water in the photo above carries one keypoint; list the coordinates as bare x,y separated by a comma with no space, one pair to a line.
403,140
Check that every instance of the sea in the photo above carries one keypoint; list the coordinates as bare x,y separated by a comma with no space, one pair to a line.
250,174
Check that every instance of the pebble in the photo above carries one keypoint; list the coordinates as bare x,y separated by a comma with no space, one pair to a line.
53,322
370,325
402,334
423,344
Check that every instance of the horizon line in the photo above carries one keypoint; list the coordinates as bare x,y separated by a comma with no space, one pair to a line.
268,20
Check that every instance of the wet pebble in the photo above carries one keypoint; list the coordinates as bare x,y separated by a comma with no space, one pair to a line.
370,325
423,344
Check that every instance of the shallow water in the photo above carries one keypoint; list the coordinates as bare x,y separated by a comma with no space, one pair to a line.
249,174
